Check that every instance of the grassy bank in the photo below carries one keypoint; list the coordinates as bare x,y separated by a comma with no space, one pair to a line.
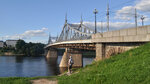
131,67
14,80
22,80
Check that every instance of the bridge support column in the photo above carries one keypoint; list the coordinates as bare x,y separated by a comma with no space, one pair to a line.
76,56
100,51
52,53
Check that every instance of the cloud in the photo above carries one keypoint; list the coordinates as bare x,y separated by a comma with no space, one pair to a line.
127,12
143,5
112,25
34,33
28,34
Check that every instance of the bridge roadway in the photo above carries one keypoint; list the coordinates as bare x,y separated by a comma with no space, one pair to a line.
105,44
76,44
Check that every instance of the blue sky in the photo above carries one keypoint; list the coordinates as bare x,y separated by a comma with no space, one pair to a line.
32,20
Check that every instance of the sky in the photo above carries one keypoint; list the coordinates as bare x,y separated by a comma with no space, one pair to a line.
34,20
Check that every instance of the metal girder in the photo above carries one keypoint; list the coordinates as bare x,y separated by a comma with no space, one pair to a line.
75,32
77,46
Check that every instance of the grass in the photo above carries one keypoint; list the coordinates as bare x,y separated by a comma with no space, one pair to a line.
131,67
14,80
21,80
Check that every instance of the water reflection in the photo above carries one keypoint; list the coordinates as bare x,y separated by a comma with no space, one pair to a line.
19,59
52,66
19,69
19,66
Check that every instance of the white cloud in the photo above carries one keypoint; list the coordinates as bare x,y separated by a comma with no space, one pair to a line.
127,12
34,33
143,5
37,41
28,34
112,25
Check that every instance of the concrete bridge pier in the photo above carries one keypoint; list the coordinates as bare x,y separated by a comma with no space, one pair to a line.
52,53
100,51
76,56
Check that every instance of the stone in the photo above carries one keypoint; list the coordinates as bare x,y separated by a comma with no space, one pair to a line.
100,50
52,53
76,56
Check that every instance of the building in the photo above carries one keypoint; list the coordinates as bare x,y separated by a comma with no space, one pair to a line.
1,44
11,43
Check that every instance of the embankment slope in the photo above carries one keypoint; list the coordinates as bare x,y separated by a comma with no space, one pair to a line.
131,67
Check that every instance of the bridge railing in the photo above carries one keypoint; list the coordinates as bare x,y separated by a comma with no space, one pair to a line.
73,39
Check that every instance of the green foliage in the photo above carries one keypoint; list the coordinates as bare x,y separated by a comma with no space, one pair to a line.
7,49
131,67
20,46
30,49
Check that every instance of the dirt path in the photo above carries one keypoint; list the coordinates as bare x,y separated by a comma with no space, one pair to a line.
44,81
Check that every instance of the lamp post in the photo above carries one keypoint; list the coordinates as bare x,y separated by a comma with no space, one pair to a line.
142,18
95,12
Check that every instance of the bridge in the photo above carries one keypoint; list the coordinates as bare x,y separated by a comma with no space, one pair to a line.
77,37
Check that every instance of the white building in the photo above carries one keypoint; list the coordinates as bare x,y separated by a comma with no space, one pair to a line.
11,43
1,44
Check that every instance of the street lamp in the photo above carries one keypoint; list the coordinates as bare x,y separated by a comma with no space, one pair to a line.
142,18
95,12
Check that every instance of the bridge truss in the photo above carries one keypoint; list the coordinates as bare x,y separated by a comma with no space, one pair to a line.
75,32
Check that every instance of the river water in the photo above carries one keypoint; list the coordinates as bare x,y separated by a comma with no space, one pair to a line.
20,66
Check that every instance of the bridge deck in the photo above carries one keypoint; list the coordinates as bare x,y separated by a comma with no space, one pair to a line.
72,42
140,34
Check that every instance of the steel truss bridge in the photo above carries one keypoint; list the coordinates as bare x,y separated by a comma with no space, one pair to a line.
77,31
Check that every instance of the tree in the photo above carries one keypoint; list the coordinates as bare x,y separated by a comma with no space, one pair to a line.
29,49
20,46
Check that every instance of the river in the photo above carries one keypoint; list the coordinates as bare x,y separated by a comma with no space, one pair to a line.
24,66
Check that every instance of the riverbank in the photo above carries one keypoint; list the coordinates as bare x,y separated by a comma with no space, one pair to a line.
14,54
131,67
10,54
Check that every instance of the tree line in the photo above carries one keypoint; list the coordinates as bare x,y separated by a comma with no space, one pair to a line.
29,49
23,48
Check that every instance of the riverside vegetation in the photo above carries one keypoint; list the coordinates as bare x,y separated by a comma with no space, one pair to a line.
6,50
23,48
131,67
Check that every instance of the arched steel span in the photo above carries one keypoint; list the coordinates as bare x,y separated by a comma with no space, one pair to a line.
75,32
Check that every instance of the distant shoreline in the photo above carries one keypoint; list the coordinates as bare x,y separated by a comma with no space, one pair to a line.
10,54
13,54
